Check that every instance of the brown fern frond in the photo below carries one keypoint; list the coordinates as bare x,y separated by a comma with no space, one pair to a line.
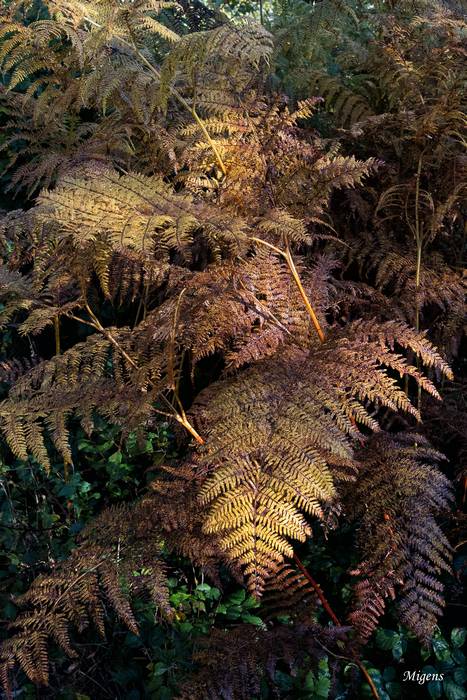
397,497
122,546
235,662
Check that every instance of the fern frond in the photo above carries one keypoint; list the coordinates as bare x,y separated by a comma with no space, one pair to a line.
74,595
195,60
396,500
238,663
269,465
347,107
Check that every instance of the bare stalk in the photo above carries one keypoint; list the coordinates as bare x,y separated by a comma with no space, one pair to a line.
336,621
180,416
419,243
287,255
57,334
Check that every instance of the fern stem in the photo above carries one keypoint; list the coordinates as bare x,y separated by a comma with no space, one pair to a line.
306,301
180,417
419,243
57,335
99,327
287,255
336,621
174,92
317,589
184,104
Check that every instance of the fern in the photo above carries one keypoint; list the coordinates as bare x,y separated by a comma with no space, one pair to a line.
198,236
230,660
403,547
266,469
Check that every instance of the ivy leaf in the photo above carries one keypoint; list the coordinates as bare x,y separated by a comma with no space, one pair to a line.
386,639
159,668
435,689
252,620
441,649
458,636
454,691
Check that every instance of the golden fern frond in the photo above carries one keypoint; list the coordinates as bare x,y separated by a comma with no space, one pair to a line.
137,212
25,51
17,293
91,376
132,210
127,20
268,461
265,468
346,106
195,61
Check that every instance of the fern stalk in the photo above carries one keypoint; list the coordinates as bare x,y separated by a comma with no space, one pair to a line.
336,621
419,244
173,91
57,335
184,104
181,416
287,255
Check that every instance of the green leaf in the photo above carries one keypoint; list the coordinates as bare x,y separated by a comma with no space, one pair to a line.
394,689
9,610
309,682
454,691
399,647
458,636
425,653
386,639
460,675
435,689
252,620
283,681
116,458
441,649
322,687
389,673
185,627
459,657
378,681
159,668
237,597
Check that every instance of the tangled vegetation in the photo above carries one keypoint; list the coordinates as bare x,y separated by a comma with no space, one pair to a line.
233,304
